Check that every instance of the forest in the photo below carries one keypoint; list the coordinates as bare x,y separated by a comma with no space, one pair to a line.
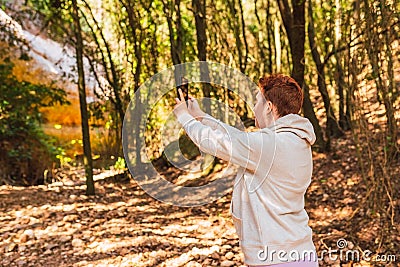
87,91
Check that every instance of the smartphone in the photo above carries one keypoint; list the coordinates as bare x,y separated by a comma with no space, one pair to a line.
184,87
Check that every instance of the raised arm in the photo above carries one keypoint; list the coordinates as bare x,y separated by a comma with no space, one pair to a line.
206,119
240,148
237,147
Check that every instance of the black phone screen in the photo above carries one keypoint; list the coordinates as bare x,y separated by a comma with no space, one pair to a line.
184,87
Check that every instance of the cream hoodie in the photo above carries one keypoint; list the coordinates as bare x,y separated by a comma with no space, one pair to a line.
268,196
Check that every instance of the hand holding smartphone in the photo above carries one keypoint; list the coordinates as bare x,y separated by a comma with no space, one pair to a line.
184,87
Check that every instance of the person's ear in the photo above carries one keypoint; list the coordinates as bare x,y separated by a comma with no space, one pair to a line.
268,108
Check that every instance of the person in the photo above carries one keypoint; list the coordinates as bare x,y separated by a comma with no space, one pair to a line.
275,171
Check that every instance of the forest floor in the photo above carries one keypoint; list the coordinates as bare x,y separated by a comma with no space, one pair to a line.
57,225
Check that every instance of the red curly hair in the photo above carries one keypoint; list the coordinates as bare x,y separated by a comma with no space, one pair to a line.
284,92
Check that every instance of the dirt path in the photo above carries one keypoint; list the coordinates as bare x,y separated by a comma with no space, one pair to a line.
55,225
121,226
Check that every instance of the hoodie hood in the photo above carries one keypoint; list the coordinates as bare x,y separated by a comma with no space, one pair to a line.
296,124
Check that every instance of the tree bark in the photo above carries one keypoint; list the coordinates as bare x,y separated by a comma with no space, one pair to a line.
199,9
246,46
270,32
344,119
87,157
382,72
332,127
235,25
175,35
260,44
294,22
113,81
278,46
137,40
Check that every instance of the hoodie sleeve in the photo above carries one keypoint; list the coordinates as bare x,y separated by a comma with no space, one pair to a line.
240,148
218,125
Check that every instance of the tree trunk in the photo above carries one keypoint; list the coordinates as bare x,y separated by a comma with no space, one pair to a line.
278,47
175,37
270,32
320,144
199,9
235,25
113,81
87,157
344,119
383,73
137,40
260,42
294,22
332,127
246,46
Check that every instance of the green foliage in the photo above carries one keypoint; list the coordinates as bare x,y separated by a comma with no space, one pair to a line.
29,152
120,164
55,15
62,157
